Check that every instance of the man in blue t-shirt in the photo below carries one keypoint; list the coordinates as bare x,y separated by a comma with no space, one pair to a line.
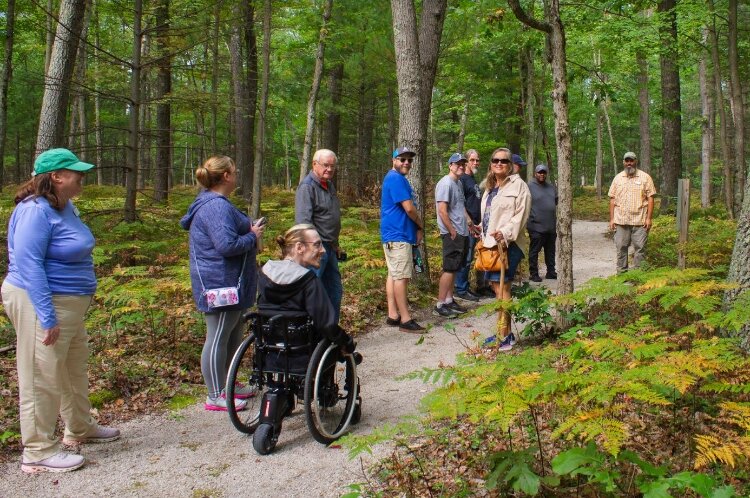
400,229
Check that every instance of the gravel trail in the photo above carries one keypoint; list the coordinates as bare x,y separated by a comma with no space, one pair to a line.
195,453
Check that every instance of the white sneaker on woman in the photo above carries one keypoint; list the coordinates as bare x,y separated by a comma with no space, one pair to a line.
60,462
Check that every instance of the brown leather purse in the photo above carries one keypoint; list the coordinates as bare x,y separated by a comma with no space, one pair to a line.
490,258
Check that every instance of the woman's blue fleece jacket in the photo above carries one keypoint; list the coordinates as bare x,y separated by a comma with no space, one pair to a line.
220,238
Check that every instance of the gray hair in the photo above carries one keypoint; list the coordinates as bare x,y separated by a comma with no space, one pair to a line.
321,153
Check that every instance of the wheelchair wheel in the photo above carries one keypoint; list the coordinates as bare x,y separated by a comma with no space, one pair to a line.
264,440
331,388
241,370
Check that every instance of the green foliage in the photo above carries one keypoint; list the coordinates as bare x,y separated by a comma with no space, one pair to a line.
640,363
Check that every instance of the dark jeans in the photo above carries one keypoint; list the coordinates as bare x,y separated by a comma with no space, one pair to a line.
329,276
462,275
547,242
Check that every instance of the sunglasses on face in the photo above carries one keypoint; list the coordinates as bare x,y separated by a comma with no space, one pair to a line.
496,160
406,159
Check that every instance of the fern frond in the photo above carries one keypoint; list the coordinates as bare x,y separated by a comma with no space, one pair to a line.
596,425
711,450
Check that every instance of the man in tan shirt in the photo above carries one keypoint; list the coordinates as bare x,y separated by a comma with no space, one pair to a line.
631,206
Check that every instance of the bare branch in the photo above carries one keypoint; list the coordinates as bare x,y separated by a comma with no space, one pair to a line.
515,6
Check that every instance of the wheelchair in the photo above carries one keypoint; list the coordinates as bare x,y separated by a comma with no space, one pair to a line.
284,361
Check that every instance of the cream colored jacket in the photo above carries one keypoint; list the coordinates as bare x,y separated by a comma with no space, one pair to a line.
509,212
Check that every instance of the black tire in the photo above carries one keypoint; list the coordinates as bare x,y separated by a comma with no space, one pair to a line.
331,389
263,440
241,370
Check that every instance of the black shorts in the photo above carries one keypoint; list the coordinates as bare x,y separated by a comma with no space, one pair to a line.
454,252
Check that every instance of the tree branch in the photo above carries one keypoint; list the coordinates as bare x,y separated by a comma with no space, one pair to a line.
515,6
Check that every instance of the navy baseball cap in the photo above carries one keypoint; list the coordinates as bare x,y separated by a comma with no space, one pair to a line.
403,151
540,168
457,157
517,159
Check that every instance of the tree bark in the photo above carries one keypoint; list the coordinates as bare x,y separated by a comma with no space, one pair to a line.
314,89
215,73
260,126
332,129
163,106
599,155
97,104
738,108
671,111
57,80
131,176
706,126
251,75
739,269
726,155
644,156
530,100
556,36
462,124
50,38
7,72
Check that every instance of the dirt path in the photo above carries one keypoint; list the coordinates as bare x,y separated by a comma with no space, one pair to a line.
198,453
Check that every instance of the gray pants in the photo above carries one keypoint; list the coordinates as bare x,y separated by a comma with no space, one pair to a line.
223,337
625,235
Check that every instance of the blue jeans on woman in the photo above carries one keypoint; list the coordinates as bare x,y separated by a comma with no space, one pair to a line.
462,275
330,277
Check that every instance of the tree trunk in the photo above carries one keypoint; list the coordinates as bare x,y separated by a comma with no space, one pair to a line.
530,101
260,126
556,37
215,73
315,88
599,155
97,104
131,177
57,80
462,125
251,86
50,38
7,71
331,131
739,269
162,96
738,108
644,156
671,112
726,155
706,126
417,46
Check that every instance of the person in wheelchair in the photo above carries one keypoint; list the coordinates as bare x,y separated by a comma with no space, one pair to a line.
289,285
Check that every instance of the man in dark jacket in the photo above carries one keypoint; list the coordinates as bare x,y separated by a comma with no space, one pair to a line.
542,223
472,201
316,203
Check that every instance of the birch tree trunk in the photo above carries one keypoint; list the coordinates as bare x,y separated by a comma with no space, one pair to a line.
738,109
314,89
706,126
644,156
7,72
599,156
57,80
131,176
163,92
260,126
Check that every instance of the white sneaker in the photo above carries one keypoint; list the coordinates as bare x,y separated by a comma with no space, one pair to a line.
101,435
60,462
220,404
244,391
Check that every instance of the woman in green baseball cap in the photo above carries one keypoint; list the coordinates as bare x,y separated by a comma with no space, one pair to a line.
49,288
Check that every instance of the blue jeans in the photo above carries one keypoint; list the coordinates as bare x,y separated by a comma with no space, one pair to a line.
515,255
329,276
462,275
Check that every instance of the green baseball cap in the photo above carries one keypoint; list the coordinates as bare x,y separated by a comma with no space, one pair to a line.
55,159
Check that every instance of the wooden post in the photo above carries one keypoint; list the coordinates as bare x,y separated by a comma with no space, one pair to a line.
683,212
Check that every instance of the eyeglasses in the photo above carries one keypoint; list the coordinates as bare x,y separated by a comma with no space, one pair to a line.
496,160
326,166
406,159
317,244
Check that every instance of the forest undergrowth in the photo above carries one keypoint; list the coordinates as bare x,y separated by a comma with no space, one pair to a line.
645,394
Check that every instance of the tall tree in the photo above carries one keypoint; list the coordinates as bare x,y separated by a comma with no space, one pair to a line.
332,128
417,48
671,116
57,80
707,144
644,103
163,107
7,71
739,270
312,99
555,31
260,126
131,174
738,108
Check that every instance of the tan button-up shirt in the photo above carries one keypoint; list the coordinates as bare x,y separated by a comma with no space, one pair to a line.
509,212
631,194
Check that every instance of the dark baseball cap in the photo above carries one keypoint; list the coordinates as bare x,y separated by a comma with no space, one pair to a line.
457,157
517,159
403,151
56,159
541,167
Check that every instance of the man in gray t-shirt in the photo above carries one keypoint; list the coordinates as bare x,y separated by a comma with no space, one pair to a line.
454,232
